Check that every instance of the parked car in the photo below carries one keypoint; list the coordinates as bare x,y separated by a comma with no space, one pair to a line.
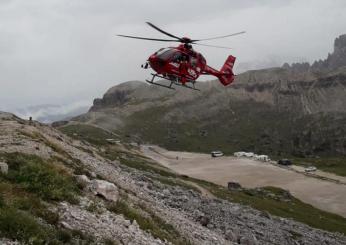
216,154
310,169
263,158
285,162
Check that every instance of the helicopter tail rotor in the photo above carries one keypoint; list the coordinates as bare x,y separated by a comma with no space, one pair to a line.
226,75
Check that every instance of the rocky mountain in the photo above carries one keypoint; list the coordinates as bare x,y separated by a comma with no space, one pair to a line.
55,189
296,110
334,60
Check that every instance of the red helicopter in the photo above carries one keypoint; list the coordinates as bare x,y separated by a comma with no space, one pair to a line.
182,65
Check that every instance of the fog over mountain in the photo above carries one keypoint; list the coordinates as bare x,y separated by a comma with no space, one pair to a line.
51,113
61,52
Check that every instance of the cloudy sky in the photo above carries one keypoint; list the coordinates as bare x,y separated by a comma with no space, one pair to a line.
65,51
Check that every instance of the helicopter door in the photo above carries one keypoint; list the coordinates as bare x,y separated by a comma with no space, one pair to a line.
175,61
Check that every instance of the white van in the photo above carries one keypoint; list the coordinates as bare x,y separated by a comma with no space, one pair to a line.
310,169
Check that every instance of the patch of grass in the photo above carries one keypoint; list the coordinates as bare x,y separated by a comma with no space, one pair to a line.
18,225
146,166
276,202
73,163
22,226
2,202
93,208
38,136
34,206
137,162
19,219
151,223
108,241
165,176
336,165
47,180
89,133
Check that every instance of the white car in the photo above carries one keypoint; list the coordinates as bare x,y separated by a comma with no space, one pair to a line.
310,169
216,154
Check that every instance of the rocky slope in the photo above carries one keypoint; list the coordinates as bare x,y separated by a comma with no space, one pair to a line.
296,110
60,190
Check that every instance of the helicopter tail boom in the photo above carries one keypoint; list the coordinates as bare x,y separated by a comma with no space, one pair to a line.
226,75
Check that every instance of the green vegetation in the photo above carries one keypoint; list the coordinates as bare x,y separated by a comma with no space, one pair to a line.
236,126
272,200
38,136
162,174
47,180
22,226
148,221
336,165
280,203
89,133
279,137
224,131
25,193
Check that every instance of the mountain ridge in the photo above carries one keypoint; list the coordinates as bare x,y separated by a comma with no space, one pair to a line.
278,111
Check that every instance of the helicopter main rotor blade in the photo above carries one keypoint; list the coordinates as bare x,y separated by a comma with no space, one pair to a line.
151,39
212,38
162,31
213,46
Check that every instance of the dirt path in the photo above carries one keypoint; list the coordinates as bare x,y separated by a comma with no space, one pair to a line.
326,195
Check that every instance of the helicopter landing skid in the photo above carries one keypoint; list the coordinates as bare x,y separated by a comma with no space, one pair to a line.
159,84
172,82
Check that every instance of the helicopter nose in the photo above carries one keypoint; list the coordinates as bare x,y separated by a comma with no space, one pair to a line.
155,62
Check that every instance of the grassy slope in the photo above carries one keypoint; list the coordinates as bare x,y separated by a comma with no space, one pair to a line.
336,165
148,221
240,127
88,133
25,194
260,200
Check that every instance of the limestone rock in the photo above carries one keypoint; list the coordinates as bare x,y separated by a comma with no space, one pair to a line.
105,189
3,168
82,180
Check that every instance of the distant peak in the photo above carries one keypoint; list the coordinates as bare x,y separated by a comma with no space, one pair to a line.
340,43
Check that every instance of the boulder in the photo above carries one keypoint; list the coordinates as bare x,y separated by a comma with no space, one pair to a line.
248,240
3,168
105,189
233,186
82,180
232,235
204,220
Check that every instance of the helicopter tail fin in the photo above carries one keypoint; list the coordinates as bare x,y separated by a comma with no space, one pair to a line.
226,76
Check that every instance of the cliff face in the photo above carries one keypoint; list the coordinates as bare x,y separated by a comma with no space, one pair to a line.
298,109
334,60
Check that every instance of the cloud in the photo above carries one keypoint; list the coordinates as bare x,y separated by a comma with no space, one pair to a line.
50,113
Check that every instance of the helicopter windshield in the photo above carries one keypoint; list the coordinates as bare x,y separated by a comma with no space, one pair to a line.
165,53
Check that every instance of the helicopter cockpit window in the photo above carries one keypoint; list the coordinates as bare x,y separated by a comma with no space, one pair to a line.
162,50
165,53
177,57
193,61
